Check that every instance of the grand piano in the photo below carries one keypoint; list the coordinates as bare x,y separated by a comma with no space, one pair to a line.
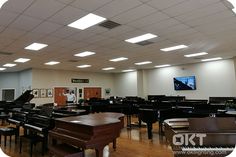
93,131
26,97
219,137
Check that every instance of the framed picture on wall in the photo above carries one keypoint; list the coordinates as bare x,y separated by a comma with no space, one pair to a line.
35,92
43,93
49,93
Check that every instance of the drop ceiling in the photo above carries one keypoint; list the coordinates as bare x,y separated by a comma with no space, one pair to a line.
203,25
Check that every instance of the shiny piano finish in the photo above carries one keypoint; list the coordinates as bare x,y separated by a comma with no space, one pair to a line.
93,131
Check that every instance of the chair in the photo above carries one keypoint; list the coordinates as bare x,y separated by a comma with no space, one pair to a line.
8,131
32,139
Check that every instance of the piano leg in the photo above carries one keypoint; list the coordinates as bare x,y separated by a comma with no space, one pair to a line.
149,128
114,144
99,151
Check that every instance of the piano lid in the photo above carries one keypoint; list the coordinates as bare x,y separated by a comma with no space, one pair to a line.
96,119
25,97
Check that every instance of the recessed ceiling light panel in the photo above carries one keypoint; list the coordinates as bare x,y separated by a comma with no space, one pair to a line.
162,66
211,59
174,48
9,65
36,46
118,59
84,66
128,70
52,63
141,38
87,21
109,68
21,60
196,54
2,2
1,69
143,63
84,54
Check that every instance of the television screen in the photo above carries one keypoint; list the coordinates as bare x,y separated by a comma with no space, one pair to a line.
185,83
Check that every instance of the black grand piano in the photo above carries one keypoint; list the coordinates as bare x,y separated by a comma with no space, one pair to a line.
26,97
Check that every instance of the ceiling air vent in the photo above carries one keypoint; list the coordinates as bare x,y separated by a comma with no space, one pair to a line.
144,43
73,61
5,53
109,24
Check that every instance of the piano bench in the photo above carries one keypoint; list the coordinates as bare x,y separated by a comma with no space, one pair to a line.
64,150
8,131
33,140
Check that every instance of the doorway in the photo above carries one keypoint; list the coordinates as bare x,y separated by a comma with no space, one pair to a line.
8,94
92,92
59,98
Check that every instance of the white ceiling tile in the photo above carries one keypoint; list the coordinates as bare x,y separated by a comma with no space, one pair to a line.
90,5
116,7
64,32
17,6
50,39
44,8
202,12
11,33
149,20
67,15
65,1
46,28
133,14
163,4
25,23
6,17
209,19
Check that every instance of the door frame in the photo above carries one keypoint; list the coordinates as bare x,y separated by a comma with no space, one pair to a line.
92,87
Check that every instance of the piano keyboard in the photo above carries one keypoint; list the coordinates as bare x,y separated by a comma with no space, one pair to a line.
226,149
34,127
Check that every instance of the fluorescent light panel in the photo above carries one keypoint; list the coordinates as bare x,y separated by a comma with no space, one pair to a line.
2,2
9,65
118,59
84,66
141,38
109,68
21,60
162,66
233,2
36,46
52,63
84,54
128,70
142,63
1,69
87,21
174,48
211,59
196,54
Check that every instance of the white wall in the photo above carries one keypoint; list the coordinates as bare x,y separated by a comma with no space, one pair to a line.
212,79
9,81
43,78
126,84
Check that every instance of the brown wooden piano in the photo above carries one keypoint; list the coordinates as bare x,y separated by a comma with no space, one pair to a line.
93,131
219,139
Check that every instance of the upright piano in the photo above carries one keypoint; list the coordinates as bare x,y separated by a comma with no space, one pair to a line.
93,131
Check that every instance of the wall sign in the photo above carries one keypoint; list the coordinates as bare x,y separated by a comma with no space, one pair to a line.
73,80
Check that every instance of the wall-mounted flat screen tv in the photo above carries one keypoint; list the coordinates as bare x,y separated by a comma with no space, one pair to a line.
185,83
